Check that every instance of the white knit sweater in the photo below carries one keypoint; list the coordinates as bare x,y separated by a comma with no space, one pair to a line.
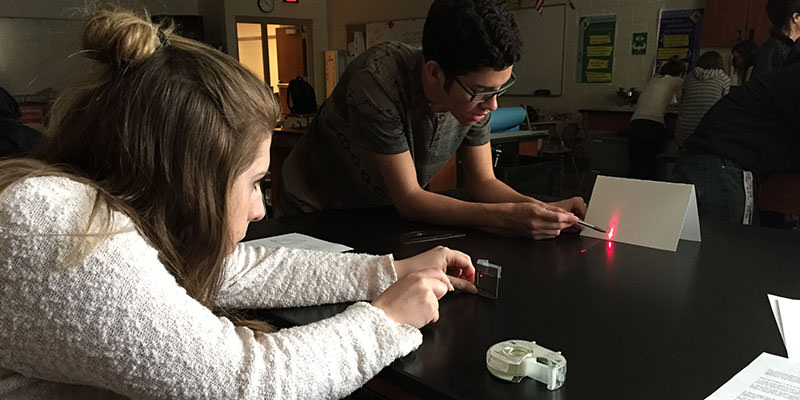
118,325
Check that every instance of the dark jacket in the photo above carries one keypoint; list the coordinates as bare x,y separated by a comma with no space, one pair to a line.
775,53
756,125
15,137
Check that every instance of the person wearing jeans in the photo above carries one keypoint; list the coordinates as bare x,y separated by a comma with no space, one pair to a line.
747,136
648,137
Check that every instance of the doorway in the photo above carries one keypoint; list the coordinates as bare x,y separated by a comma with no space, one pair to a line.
277,51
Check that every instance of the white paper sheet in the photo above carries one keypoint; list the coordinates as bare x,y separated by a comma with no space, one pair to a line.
299,241
787,316
768,377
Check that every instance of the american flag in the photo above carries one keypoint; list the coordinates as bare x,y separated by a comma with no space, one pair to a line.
539,5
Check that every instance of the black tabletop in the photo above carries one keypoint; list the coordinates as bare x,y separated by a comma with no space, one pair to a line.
632,322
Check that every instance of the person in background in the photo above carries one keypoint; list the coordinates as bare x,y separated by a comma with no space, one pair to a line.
743,57
782,47
399,114
648,137
702,88
16,138
119,262
748,135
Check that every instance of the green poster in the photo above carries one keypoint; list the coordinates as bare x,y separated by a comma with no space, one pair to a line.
639,43
596,52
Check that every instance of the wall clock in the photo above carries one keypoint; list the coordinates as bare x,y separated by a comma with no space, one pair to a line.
266,6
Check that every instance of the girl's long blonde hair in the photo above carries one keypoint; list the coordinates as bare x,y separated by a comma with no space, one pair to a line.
161,129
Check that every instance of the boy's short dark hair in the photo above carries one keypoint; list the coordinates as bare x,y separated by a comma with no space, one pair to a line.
780,12
467,35
710,60
674,66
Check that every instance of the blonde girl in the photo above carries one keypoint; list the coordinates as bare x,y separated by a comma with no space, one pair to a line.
119,263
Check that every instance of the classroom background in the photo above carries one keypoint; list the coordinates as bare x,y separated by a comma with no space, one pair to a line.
584,62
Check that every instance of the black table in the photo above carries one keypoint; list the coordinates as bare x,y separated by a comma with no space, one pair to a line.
632,322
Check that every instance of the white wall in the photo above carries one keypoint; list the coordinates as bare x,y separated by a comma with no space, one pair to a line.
75,8
629,70
37,37
213,12
39,40
314,10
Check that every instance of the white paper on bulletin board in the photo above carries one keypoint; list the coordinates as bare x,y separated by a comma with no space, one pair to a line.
405,30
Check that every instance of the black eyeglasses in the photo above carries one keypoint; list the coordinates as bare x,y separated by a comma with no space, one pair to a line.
480,97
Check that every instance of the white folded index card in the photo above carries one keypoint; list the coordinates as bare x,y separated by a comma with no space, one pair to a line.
643,213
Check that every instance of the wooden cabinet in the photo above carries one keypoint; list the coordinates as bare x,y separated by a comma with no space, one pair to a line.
780,194
758,22
726,22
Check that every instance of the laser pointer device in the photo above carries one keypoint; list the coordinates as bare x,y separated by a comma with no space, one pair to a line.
487,278
590,226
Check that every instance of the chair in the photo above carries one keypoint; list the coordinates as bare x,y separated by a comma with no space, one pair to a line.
507,119
780,194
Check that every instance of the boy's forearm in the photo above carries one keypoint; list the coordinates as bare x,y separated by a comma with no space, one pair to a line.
438,209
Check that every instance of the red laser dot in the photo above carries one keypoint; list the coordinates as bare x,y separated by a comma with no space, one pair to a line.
583,251
611,233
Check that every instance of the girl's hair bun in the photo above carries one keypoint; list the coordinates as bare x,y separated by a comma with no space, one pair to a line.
119,37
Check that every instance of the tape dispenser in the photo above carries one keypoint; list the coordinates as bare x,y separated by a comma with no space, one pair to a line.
513,360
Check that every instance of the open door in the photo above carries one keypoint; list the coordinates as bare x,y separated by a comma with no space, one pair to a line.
290,45
252,45
276,52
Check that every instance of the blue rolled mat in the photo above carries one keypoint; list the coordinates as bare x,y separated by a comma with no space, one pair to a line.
507,119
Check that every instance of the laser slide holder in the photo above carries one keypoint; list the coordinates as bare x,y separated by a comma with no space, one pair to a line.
487,278
513,360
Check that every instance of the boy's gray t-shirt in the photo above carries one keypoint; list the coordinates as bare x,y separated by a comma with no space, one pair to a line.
378,106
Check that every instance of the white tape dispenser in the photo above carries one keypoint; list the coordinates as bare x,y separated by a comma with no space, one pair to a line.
513,360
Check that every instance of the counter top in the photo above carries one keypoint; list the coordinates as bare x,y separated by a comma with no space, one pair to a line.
671,109
628,109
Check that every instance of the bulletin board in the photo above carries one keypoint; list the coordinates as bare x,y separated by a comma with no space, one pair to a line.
542,63
596,48
679,35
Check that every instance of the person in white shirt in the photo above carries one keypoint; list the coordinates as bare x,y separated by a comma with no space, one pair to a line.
648,137
119,262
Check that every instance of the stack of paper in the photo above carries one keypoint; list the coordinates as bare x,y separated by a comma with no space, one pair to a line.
771,377
768,377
